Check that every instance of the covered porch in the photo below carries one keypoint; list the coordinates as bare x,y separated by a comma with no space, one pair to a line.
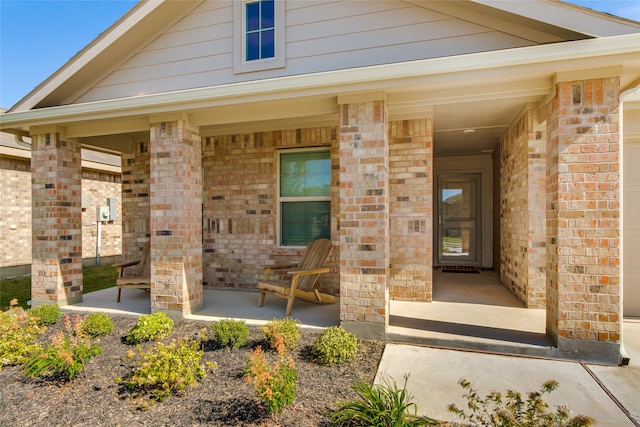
469,311
200,184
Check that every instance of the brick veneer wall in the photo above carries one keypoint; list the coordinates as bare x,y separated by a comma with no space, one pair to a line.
96,188
522,211
15,174
240,184
411,209
583,214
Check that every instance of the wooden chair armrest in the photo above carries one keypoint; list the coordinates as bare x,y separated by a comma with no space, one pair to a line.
310,271
126,264
120,267
267,269
277,267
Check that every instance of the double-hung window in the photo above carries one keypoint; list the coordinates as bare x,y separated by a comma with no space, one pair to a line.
258,35
304,196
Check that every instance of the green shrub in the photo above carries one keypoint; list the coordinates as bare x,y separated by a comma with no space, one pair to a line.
379,405
511,410
288,329
150,327
65,354
166,368
275,384
335,345
230,333
97,325
48,314
18,334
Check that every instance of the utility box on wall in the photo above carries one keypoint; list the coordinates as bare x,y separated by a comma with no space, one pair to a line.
102,213
112,202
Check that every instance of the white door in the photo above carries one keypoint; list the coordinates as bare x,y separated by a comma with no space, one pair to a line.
631,229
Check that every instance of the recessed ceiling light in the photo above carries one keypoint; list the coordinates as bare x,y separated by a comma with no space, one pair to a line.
469,131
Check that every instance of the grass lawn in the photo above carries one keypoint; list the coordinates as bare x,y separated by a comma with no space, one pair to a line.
94,278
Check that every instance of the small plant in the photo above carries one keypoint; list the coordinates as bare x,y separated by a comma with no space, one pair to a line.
230,333
65,354
97,325
275,384
511,410
335,345
18,334
48,314
288,329
166,369
379,405
150,327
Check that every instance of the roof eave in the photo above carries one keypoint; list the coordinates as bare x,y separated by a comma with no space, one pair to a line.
542,60
569,16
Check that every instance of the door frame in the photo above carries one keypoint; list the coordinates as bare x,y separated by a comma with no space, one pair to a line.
476,178
481,165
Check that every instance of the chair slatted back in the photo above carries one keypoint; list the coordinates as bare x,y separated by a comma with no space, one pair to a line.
144,268
315,255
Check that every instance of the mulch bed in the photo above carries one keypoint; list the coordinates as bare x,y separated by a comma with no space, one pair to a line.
222,398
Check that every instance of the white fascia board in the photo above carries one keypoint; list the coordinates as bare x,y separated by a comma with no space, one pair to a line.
485,66
569,16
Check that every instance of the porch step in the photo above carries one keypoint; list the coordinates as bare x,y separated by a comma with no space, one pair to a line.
473,338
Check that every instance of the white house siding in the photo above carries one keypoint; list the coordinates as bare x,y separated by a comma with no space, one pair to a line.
321,36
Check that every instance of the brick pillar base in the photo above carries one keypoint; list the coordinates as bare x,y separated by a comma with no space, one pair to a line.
56,271
364,218
176,218
583,225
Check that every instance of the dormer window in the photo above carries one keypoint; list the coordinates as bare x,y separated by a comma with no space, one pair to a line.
258,35
260,30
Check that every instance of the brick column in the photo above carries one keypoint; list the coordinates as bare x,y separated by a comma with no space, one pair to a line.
411,209
364,215
176,218
523,166
135,201
583,218
56,177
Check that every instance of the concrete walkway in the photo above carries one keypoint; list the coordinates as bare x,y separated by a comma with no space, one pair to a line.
475,329
610,394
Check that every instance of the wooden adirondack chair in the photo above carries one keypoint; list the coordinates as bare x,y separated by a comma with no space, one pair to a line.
142,280
304,277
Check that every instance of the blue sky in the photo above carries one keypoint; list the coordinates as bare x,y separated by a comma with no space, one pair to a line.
38,36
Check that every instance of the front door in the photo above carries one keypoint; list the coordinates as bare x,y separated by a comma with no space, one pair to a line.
459,210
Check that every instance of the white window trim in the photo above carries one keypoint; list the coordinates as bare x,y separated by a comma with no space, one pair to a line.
240,64
279,199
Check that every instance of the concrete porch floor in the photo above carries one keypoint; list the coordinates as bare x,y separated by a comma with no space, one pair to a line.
470,311
218,304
